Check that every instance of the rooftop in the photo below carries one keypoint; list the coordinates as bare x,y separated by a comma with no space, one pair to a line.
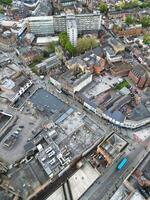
139,113
121,66
82,180
136,195
46,102
74,78
3,59
75,61
98,86
58,194
40,18
110,51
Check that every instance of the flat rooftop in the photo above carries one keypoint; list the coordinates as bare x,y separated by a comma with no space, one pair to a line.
74,79
3,58
27,179
121,66
116,141
137,196
6,72
82,180
58,194
80,133
139,113
120,194
71,123
46,102
99,85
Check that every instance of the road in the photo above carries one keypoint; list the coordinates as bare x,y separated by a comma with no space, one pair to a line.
105,186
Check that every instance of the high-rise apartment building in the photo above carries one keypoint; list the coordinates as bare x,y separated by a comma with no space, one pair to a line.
88,22
85,22
47,25
41,25
60,23
72,29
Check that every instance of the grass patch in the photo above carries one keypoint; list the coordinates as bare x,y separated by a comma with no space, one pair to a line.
122,85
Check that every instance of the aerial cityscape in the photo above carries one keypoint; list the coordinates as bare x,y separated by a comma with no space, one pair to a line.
74,99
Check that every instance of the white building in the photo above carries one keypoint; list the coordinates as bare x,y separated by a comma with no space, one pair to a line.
89,22
60,23
72,29
41,25
31,3
71,83
46,40
112,56
85,22
46,25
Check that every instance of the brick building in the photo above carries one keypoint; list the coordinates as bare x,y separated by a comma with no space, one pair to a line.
120,69
139,76
135,31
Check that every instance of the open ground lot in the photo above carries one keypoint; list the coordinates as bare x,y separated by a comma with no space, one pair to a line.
17,150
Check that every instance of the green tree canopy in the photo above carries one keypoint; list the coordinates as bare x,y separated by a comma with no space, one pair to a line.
70,48
63,39
146,39
145,4
145,21
1,10
129,20
86,43
51,47
103,7
7,2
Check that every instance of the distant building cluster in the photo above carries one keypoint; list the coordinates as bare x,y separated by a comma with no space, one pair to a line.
46,25
74,99
12,82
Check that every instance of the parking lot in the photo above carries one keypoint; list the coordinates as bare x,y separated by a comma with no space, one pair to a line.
15,150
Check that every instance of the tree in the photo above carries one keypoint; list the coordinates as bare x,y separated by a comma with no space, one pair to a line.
129,20
145,4
86,43
63,39
45,54
51,47
122,4
103,7
146,39
38,58
93,42
145,21
82,45
7,2
135,2
70,48
1,10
